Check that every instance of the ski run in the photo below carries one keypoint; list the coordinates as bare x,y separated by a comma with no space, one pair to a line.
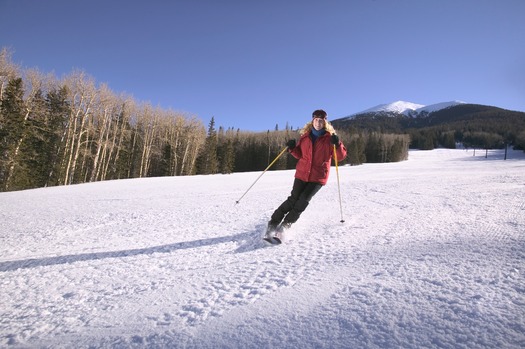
431,255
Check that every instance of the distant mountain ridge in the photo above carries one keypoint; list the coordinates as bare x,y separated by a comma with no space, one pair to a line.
401,115
406,108
441,124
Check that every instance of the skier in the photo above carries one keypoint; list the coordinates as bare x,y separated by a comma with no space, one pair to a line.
314,150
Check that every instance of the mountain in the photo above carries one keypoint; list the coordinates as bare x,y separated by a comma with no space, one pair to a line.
405,108
441,124
400,116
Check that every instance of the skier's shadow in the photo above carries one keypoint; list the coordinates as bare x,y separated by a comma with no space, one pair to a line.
247,241
252,241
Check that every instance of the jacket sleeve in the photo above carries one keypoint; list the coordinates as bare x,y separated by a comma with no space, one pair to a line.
341,152
296,152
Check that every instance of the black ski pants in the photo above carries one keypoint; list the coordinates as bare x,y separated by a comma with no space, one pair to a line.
291,209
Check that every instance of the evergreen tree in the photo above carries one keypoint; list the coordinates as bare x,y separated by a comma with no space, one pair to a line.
356,150
12,129
397,151
226,151
227,157
208,162
164,161
34,151
373,148
520,141
448,140
57,113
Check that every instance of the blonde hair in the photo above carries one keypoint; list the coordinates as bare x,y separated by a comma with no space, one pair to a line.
308,127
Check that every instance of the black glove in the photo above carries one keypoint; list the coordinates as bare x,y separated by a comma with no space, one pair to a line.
291,144
334,139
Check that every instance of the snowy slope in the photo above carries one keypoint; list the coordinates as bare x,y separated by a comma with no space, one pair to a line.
431,256
407,108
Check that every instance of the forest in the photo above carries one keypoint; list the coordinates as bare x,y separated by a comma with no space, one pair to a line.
62,131
72,130
227,151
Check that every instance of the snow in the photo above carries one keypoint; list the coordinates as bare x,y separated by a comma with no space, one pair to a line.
399,107
408,108
431,256
438,106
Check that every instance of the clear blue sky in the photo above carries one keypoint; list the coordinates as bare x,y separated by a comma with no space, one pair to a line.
255,64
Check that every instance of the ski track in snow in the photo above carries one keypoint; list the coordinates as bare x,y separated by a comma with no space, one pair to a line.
431,255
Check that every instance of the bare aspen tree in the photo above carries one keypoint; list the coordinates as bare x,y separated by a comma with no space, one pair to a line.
195,138
110,153
107,145
183,150
175,136
68,138
8,70
103,110
150,120
135,132
82,95
85,145
125,121
175,139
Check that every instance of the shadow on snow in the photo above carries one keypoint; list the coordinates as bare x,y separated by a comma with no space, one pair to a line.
247,241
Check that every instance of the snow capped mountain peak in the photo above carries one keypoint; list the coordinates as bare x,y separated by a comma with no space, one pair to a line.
399,107
408,108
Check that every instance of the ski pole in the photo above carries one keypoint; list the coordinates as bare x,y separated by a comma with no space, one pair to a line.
338,185
270,165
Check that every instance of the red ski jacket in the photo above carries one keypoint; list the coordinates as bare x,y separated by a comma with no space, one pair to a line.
315,159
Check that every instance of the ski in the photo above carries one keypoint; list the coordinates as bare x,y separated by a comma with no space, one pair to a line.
277,241
272,240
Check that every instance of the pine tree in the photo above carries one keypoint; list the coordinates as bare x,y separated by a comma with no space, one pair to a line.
208,162
227,157
373,148
56,118
520,141
12,129
33,154
164,161
353,152
447,140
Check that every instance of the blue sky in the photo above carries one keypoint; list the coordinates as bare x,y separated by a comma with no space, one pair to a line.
257,64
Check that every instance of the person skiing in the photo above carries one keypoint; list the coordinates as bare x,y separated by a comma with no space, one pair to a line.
314,152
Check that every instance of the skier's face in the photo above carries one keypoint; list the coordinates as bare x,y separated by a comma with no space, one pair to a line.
318,124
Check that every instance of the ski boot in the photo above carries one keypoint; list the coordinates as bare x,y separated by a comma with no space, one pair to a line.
271,232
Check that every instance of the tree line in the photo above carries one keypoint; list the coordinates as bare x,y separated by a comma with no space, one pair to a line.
72,130
228,151
66,131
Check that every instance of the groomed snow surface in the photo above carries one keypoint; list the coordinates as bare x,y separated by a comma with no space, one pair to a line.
431,255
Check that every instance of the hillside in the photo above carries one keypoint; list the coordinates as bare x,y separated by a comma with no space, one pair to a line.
398,121
431,255
429,126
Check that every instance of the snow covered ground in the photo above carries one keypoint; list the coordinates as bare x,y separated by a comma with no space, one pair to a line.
431,256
